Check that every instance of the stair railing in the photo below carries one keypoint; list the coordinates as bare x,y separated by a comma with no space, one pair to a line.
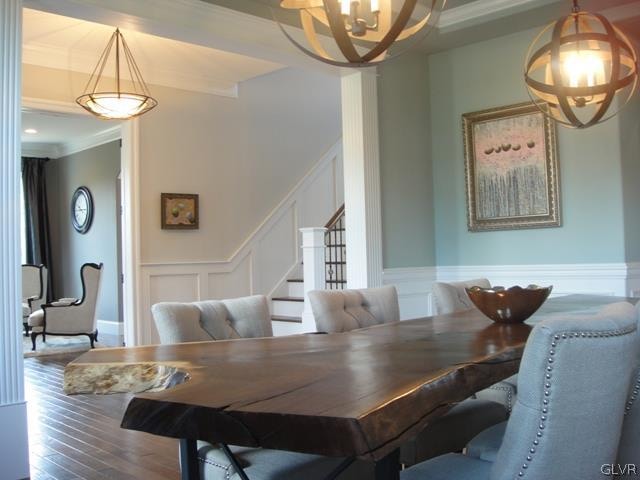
336,252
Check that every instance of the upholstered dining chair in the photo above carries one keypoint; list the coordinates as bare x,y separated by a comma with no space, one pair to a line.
337,311
34,291
452,297
70,316
245,317
486,444
573,383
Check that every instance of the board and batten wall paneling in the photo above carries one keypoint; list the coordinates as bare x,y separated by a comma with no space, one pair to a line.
265,259
612,279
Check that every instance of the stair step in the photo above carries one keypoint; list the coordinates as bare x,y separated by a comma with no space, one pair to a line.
296,280
288,299
286,318
335,263
335,245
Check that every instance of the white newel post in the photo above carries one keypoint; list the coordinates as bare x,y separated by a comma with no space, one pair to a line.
313,258
362,179
14,450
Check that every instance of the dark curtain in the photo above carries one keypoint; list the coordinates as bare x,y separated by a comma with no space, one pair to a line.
38,237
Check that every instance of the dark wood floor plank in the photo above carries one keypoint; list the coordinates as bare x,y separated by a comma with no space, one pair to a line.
79,437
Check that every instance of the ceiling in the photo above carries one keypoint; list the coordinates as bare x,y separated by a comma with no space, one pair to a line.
63,133
66,43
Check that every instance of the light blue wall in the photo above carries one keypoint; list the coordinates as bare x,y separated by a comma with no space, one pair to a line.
630,149
489,74
405,162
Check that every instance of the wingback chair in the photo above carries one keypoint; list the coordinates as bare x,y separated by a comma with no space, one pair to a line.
71,316
452,297
246,317
337,311
34,291
573,383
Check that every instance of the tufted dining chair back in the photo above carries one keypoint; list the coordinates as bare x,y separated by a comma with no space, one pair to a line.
629,448
345,310
572,389
245,317
452,297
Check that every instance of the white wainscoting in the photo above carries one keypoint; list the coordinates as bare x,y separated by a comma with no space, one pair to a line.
262,263
611,279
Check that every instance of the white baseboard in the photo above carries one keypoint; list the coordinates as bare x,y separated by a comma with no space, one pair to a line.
14,444
109,327
610,279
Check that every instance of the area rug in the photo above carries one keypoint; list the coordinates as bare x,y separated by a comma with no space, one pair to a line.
56,345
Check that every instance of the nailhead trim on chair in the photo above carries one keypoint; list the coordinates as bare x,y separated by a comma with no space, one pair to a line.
634,395
226,468
509,394
547,384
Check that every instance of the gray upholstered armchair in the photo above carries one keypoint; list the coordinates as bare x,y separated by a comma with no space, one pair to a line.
567,421
337,311
34,291
452,297
70,316
246,317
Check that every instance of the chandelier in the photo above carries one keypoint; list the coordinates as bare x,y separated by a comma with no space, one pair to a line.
114,103
360,33
585,72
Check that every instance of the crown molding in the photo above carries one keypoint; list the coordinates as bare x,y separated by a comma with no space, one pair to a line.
41,150
482,11
106,136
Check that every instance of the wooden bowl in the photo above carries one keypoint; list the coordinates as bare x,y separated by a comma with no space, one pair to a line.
512,305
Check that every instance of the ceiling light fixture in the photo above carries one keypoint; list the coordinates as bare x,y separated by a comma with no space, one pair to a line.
30,131
586,64
364,31
116,104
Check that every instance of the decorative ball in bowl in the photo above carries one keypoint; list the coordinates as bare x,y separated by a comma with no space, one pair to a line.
509,305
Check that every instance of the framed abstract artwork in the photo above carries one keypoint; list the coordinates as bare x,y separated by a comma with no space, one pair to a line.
511,165
179,211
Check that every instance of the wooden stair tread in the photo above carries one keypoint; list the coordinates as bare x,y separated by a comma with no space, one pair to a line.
288,299
285,318
295,280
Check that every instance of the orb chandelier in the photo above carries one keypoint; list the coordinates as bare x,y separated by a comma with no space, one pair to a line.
114,103
586,71
361,32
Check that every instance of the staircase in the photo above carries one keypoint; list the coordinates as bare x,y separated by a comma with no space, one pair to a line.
289,308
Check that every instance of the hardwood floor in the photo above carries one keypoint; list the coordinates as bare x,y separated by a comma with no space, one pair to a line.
79,437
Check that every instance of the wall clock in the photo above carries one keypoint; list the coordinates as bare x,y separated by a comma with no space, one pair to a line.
82,209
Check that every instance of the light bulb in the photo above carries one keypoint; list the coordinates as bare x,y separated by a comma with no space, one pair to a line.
345,7
584,69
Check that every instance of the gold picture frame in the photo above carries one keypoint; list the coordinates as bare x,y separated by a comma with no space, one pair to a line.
511,169
179,211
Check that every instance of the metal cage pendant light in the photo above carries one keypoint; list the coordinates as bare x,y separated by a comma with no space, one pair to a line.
586,72
363,31
116,104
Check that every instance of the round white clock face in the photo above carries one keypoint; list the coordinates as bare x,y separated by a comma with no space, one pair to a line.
82,209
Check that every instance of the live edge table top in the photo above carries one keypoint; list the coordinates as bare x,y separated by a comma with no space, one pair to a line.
361,393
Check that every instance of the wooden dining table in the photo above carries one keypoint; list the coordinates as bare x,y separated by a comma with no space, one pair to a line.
360,394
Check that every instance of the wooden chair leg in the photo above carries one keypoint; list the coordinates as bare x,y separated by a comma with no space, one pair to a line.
91,338
34,335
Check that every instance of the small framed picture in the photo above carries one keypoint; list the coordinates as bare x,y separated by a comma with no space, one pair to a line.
179,211
511,169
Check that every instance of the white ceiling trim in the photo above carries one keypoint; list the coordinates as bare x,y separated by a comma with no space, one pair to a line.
40,150
485,10
44,55
110,135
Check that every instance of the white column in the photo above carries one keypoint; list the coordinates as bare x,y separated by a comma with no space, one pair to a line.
313,258
362,179
14,452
